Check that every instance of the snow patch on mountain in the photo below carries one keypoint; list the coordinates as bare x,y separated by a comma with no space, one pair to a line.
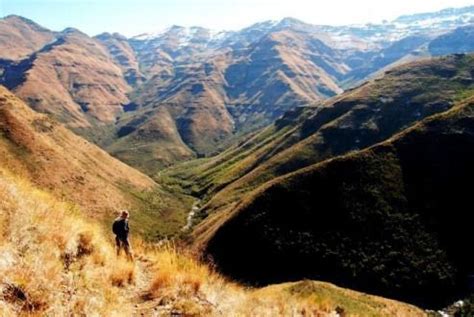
364,37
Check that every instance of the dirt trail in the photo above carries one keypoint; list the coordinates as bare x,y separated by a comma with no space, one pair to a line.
143,305
137,292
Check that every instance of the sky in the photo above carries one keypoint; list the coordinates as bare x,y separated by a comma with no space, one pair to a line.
133,17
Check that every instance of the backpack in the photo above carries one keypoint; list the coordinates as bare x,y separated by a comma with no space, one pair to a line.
116,227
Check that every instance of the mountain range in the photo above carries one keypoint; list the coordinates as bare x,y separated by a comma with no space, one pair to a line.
281,152
145,99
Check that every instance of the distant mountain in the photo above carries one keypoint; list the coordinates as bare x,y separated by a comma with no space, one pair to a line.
461,40
361,36
256,74
159,98
336,153
20,37
450,16
72,78
123,55
392,219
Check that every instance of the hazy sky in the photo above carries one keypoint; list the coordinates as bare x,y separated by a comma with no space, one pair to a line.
131,17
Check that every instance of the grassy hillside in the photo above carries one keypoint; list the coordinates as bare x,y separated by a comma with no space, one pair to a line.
53,263
393,219
204,177
45,152
355,120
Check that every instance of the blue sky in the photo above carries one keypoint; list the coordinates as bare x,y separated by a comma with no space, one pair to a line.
132,17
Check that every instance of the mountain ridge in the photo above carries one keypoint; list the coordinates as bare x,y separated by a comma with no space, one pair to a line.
351,121
154,94
359,217
46,153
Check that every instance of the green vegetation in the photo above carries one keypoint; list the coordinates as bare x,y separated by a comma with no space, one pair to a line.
355,120
76,171
345,302
158,214
204,177
50,252
388,220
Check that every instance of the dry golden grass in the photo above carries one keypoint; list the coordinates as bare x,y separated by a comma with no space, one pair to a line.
53,263
183,285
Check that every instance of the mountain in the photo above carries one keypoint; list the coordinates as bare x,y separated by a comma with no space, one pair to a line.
197,81
449,16
58,160
123,55
246,79
381,35
305,219
458,41
145,99
73,79
283,70
229,93
393,219
352,121
331,153
361,36
44,152
20,37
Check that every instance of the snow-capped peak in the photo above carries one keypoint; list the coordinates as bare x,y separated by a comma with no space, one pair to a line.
185,33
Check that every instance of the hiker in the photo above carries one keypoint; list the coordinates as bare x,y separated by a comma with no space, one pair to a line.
121,230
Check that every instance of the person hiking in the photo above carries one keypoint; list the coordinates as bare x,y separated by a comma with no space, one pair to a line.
121,230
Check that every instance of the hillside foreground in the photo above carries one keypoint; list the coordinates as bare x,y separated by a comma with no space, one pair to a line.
54,263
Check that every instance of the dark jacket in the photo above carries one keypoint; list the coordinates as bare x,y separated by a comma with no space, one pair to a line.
120,228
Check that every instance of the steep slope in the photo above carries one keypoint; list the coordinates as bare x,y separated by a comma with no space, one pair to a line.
249,78
160,51
20,37
352,121
193,103
194,81
392,219
283,70
83,85
74,79
150,145
123,55
53,262
373,62
52,157
145,99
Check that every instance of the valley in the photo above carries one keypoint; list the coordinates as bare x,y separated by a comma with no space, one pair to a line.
283,169
156,99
